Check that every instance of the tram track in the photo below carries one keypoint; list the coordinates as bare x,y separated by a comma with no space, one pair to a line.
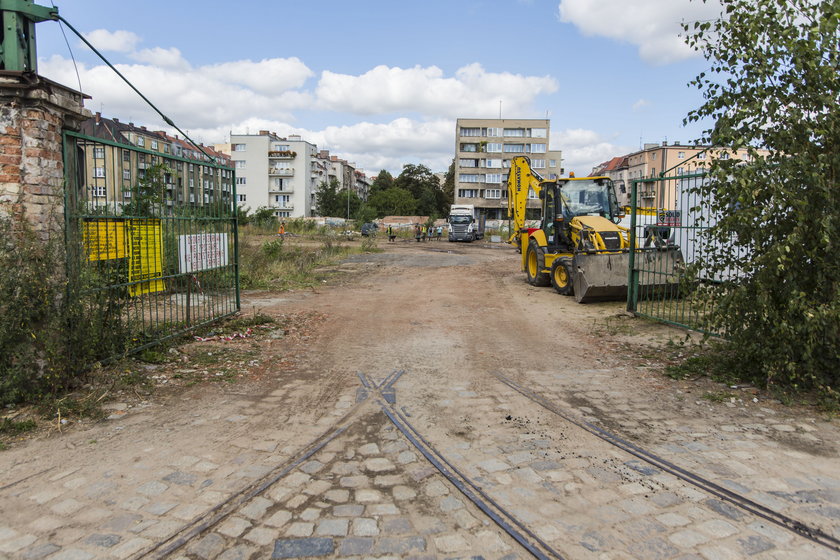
801,529
381,395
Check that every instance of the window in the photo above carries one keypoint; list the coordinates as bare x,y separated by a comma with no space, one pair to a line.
724,155
538,133
468,162
538,163
653,156
127,174
470,131
701,155
505,164
514,132
494,147
99,153
493,193
154,144
166,148
141,141
282,200
99,172
537,148
240,181
239,147
281,148
494,178
493,163
98,191
531,194
514,148
468,193
469,147
494,132
680,155
552,163
126,155
239,164
680,171
192,182
282,214
470,178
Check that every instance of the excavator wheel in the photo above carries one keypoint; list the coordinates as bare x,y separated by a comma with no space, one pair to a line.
534,264
561,276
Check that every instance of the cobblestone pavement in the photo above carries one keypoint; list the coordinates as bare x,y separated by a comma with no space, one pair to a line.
158,475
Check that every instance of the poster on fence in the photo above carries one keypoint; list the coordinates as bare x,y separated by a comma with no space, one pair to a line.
145,257
202,251
104,239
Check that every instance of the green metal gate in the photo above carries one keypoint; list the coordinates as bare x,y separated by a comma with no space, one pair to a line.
668,213
151,235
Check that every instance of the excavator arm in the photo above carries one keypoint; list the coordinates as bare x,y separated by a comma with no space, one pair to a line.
521,178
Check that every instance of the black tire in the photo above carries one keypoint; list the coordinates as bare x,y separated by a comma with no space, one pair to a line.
562,278
534,264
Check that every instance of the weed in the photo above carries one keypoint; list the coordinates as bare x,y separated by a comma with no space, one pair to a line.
12,428
719,397
151,356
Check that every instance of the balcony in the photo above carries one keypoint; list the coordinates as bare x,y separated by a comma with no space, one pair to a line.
281,206
647,194
281,172
284,154
281,189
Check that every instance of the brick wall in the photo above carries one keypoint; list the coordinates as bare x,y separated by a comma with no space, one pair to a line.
33,113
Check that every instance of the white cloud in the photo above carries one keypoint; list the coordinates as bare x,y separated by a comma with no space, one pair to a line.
584,149
640,104
166,58
472,91
268,76
115,41
652,25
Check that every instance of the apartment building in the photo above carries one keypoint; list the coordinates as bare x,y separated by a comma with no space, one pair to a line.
275,172
114,167
653,159
483,151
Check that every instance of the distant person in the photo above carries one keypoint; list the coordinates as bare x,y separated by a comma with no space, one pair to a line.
392,235
439,232
282,230
417,232
423,232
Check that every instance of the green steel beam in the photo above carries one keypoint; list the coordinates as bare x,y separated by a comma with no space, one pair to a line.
18,49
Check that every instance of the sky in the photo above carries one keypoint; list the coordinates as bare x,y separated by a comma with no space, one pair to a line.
380,83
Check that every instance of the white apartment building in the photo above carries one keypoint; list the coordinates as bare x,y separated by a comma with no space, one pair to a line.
483,151
275,172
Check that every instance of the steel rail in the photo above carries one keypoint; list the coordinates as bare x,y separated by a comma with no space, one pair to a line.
813,534
469,489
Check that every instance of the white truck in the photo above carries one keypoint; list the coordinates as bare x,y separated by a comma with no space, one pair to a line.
462,223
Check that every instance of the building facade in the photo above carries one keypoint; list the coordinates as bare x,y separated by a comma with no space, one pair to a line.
114,168
274,172
483,152
674,160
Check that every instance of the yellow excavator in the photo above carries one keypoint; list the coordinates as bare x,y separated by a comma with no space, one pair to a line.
579,247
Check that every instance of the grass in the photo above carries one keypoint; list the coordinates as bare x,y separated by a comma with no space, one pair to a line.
719,396
278,263
12,428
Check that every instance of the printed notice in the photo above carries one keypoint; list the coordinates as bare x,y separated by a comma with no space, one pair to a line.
202,251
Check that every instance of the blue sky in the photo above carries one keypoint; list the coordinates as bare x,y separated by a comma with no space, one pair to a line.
381,83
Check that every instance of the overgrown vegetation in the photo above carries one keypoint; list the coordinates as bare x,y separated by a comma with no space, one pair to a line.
774,83
51,328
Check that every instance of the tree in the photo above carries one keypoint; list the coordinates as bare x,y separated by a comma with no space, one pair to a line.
383,182
424,188
147,197
393,202
449,184
774,83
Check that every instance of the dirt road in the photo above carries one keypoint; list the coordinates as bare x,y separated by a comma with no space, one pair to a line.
553,419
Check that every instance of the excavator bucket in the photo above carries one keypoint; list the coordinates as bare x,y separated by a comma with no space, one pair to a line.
603,276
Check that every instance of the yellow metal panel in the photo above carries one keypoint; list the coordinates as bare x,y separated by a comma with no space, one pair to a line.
145,243
104,239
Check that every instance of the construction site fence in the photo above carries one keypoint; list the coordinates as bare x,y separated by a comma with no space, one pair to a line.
670,279
151,239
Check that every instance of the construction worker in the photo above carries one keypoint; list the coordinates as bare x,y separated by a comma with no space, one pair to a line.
423,232
391,234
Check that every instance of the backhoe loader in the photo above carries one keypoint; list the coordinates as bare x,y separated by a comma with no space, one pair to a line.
579,249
